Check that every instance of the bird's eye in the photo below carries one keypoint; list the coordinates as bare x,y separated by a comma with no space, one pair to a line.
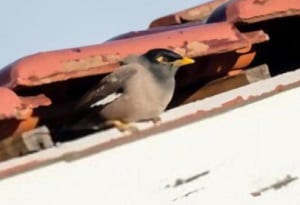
163,59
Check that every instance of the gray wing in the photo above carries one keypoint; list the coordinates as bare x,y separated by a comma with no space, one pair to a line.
112,83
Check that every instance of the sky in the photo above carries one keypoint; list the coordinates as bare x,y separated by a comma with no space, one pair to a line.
33,26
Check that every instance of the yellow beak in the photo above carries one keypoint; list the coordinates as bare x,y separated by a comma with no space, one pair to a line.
184,61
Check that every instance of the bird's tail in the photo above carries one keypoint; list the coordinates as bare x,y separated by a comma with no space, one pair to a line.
81,124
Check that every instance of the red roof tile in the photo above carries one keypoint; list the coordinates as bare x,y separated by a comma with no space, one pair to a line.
13,106
258,10
193,41
197,13
235,10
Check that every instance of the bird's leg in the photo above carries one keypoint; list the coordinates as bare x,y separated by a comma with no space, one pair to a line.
121,126
156,120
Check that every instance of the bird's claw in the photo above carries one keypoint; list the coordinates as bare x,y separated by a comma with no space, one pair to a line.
122,126
156,121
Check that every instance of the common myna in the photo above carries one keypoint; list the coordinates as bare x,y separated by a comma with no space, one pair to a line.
139,90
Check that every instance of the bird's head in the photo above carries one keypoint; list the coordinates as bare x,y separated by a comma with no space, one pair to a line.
167,57
166,60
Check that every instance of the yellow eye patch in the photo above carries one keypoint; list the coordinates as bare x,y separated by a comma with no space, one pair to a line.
161,59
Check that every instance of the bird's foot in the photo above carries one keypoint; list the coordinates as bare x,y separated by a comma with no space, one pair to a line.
156,121
122,126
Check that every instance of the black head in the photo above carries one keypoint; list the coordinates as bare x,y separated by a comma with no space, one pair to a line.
165,62
160,55
167,57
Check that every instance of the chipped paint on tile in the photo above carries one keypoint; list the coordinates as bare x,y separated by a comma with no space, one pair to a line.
82,64
67,64
259,10
197,13
194,48
13,106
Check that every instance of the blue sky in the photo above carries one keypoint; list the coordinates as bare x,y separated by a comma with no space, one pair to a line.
31,26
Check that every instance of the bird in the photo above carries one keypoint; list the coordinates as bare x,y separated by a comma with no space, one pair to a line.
139,90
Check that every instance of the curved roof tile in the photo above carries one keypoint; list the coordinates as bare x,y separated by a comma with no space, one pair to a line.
13,106
60,65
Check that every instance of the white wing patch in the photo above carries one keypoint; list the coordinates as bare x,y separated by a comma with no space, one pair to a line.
107,99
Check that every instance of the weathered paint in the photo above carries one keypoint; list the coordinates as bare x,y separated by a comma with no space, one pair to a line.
193,41
197,13
13,106
259,10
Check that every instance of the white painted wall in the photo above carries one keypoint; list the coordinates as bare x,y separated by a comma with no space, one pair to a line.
245,149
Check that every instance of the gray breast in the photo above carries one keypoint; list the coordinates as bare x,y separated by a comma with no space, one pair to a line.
145,97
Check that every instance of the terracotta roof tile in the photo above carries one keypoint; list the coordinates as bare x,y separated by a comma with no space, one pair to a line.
13,106
197,13
258,10
60,65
